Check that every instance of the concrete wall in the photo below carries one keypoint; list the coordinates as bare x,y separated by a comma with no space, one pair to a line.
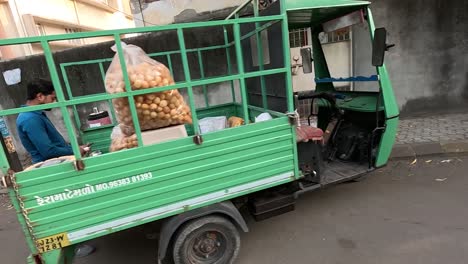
429,65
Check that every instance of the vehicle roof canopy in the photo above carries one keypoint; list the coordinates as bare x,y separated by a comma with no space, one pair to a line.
306,13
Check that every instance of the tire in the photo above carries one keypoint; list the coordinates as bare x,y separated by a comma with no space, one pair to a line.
206,240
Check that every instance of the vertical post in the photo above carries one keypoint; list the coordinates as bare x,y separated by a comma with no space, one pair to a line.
228,59
289,90
240,67
70,95
109,101
128,88
260,56
202,75
169,63
4,163
287,57
61,98
188,80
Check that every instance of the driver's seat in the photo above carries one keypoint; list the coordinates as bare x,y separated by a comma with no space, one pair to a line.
306,133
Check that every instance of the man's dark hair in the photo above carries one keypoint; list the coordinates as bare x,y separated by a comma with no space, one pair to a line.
39,86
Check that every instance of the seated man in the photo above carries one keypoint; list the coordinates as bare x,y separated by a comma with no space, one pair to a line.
40,137
37,133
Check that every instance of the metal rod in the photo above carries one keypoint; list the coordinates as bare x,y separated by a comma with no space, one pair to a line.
104,33
188,80
104,96
240,67
61,98
150,55
169,64
260,57
239,8
260,28
288,84
287,63
70,95
4,164
228,59
128,89
202,75
109,101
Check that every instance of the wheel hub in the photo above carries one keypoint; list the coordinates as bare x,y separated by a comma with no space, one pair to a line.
208,246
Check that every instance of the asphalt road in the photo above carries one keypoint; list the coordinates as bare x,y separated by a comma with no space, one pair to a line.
404,213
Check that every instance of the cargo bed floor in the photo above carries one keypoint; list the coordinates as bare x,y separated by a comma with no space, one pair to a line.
336,171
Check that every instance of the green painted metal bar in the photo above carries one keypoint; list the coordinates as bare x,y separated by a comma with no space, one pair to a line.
260,109
169,64
103,33
238,9
103,73
128,89
289,90
287,63
109,101
103,97
61,98
240,68
70,95
228,60
66,64
188,50
188,80
30,108
167,53
202,76
66,81
259,29
260,57
4,164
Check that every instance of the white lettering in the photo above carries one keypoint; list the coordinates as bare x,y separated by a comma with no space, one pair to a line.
90,189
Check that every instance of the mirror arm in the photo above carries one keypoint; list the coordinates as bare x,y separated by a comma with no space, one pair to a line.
389,46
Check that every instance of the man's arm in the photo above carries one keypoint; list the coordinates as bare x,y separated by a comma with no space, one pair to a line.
37,134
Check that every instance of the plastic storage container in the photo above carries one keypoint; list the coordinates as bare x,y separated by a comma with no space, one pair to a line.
98,118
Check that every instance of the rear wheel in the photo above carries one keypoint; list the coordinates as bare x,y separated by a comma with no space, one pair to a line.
206,240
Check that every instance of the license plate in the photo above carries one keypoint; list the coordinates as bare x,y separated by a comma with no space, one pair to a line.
52,242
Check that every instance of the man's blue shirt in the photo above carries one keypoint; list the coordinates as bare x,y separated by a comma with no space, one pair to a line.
40,137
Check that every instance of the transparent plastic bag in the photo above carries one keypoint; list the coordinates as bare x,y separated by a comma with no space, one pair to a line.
154,110
121,141
211,124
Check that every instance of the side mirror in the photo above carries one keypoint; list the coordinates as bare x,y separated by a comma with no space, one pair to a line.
306,54
380,46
